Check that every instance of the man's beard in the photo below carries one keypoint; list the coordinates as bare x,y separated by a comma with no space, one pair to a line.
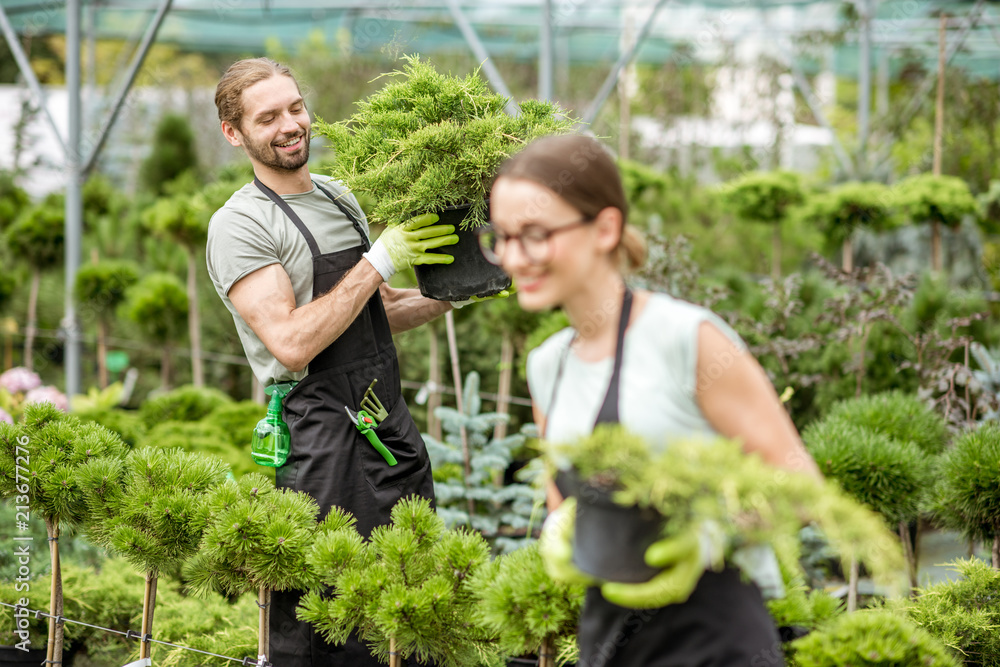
269,155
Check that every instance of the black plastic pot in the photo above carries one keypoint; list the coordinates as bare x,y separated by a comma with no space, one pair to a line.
469,275
610,540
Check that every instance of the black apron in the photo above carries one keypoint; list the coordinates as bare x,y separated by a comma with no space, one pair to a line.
723,624
330,459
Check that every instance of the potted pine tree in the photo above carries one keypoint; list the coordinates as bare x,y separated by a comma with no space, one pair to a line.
431,143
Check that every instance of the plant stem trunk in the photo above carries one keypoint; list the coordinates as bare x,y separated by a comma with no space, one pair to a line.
937,262
996,551
939,106
165,367
776,253
503,390
449,320
194,321
264,622
852,586
847,259
31,329
434,379
911,559
55,645
148,606
546,653
394,659
102,353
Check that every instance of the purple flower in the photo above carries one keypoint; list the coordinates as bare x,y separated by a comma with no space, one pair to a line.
19,379
4,417
47,394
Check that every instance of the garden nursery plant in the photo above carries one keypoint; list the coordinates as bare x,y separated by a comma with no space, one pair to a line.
429,142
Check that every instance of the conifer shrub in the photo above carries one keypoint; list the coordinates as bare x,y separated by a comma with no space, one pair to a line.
187,404
887,475
695,480
258,537
406,588
203,438
871,638
963,613
429,140
903,417
524,607
967,495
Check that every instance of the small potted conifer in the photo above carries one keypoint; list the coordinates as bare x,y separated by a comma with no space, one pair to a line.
431,143
709,488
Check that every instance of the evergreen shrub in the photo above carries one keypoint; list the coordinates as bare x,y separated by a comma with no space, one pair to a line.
871,638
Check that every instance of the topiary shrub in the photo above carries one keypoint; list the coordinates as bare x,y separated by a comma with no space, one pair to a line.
875,638
902,417
889,476
967,496
186,404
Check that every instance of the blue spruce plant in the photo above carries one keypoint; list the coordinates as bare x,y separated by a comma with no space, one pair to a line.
470,491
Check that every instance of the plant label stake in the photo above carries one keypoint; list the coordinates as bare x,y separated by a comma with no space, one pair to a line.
367,425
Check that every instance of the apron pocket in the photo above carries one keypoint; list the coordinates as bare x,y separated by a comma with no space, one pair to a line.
400,436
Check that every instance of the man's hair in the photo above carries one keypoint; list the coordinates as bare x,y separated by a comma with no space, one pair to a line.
241,75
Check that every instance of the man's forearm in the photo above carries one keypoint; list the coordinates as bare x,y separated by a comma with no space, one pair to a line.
408,309
312,327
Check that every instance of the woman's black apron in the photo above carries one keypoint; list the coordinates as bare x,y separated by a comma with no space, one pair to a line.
330,459
723,624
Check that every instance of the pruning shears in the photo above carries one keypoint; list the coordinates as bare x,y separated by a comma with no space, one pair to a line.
364,422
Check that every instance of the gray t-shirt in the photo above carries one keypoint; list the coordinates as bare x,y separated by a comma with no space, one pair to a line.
657,396
250,232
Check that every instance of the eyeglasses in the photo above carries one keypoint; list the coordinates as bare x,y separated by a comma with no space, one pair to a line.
534,240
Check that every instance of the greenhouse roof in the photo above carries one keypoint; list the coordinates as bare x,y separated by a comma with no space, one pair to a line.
583,31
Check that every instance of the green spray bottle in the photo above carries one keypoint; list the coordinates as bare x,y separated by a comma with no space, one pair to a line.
271,440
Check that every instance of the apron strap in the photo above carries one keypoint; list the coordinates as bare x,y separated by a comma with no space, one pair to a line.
608,413
350,216
296,220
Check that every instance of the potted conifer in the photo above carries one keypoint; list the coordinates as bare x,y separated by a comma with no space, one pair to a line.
710,488
431,143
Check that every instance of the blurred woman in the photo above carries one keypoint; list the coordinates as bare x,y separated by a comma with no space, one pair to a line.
664,367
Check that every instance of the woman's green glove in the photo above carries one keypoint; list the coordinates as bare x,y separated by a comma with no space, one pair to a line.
402,246
555,544
683,559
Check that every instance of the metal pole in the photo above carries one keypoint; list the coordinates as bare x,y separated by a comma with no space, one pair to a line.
489,69
74,197
623,60
137,60
802,83
545,53
864,85
920,97
24,65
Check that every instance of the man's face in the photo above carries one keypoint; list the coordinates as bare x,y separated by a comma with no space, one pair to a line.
275,129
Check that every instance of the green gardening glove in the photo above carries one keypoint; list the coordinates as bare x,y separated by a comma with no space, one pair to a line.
555,544
683,559
406,245
502,294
